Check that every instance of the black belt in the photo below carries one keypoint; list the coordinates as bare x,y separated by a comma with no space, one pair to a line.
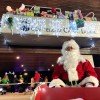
71,83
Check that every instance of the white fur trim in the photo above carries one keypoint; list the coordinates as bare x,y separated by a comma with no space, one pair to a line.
91,79
57,83
70,43
60,60
89,85
82,59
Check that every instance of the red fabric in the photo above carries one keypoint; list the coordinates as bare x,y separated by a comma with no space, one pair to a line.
83,69
43,86
71,93
37,77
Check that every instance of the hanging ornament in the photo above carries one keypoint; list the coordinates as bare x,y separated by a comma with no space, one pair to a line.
10,23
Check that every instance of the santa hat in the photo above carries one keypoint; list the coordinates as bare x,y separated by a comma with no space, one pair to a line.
70,43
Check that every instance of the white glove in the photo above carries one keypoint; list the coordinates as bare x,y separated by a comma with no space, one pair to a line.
57,83
89,85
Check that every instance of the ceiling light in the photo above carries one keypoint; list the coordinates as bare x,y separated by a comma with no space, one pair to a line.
24,70
22,65
48,69
52,65
18,57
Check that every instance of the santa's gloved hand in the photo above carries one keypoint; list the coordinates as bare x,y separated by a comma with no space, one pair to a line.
89,85
57,83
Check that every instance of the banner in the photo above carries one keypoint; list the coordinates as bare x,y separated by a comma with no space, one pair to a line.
48,26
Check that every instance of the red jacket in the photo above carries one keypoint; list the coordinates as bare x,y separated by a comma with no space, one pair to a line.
37,77
85,72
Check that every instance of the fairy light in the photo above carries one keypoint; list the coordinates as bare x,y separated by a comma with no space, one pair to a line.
46,26
55,26
24,25
92,45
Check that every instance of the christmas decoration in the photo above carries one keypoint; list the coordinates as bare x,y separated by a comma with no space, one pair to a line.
10,23
80,23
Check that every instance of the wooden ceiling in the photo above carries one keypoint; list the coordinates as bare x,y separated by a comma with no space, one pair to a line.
31,59
66,5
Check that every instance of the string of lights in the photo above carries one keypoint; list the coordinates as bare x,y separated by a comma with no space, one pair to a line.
49,26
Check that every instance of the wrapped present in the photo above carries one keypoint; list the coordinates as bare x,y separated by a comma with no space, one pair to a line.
94,19
80,14
49,14
88,18
36,9
67,14
29,13
32,13
54,10
18,11
44,14
80,23
60,16
49,11
75,15
71,16
72,25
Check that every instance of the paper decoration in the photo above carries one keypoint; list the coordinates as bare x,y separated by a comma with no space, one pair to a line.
72,25
80,23
36,9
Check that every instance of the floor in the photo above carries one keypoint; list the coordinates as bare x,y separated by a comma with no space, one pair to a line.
15,96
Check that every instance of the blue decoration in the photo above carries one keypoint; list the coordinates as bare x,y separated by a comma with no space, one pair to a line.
25,26
72,25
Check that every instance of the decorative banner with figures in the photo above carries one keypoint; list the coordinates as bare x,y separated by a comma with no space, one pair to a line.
16,24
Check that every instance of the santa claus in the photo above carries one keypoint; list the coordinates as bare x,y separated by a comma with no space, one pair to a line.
72,69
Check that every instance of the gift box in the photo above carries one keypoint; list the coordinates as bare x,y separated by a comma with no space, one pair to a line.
54,10
80,23
75,15
71,16
44,14
49,14
36,9
72,25
60,15
29,13
79,14
88,18
67,14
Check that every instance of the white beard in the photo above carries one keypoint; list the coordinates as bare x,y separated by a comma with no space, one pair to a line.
71,60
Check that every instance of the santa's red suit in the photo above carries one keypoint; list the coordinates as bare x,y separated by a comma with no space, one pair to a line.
88,77
72,69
